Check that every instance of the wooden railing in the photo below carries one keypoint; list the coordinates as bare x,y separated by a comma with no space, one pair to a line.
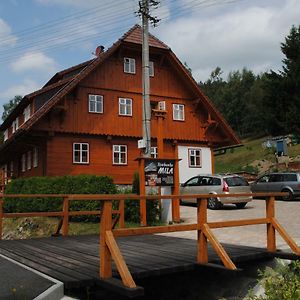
109,249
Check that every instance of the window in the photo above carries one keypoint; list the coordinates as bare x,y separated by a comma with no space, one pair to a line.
15,125
154,152
27,113
35,157
195,158
5,135
29,160
119,154
193,182
11,169
96,104
178,112
125,107
23,162
151,68
80,153
129,65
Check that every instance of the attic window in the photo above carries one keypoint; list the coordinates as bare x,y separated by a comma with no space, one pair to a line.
27,113
15,125
178,112
129,65
5,135
151,68
96,104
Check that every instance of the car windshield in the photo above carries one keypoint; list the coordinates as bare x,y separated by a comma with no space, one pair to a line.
236,181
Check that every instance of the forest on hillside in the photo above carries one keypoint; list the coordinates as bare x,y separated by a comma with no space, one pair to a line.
265,104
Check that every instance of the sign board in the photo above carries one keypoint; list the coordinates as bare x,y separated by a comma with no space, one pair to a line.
159,172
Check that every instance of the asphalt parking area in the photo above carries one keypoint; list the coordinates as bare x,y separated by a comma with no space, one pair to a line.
286,212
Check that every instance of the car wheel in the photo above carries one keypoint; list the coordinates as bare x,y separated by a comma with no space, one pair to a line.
289,197
213,203
240,205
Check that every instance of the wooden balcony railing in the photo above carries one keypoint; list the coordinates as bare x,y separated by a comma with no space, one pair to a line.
109,249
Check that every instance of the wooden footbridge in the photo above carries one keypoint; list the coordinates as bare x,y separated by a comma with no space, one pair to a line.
119,256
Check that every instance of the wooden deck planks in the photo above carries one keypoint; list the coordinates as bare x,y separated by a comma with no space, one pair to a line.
75,260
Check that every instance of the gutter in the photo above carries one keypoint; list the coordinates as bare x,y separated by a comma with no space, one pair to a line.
223,150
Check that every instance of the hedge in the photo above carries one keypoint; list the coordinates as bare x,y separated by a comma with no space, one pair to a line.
80,184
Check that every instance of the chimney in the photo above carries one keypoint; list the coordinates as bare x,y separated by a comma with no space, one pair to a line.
99,50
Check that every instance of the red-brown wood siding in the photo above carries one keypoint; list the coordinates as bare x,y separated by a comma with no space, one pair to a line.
111,82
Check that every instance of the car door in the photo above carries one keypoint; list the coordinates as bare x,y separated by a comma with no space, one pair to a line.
261,184
192,186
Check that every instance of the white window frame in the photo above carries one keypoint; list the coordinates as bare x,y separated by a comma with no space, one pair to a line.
23,162
129,65
195,153
119,149
153,152
27,113
80,153
11,168
15,125
35,157
5,135
95,99
151,68
29,160
178,112
126,103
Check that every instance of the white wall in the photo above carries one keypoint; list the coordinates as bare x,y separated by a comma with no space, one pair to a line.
185,172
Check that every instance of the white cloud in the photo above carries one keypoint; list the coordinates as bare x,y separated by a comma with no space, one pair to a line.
245,35
7,39
22,89
34,61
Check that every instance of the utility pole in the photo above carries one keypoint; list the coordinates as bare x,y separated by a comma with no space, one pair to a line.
146,81
144,12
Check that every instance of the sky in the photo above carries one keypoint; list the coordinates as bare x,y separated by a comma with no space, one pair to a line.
41,37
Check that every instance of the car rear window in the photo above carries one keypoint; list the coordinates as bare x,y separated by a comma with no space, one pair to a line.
236,181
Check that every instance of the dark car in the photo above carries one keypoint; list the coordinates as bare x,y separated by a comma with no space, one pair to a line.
278,182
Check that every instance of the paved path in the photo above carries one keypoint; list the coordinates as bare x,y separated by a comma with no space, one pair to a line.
287,213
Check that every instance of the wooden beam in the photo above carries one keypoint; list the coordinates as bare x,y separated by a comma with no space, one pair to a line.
202,250
143,202
270,213
33,214
286,236
218,248
235,223
65,225
122,213
119,260
154,229
1,218
176,189
105,256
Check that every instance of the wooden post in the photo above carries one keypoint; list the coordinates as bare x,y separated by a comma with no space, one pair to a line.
212,161
202,251
176,202
65,225
105,225
270,214
160,139
122,213
143,203
1,217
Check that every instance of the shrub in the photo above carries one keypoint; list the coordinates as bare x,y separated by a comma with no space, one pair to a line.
282,283
81,184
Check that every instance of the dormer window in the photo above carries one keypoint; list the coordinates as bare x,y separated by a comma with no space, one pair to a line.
151,68
27,113
129,65
5,135
15,125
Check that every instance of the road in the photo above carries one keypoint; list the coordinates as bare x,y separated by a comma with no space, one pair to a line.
287,213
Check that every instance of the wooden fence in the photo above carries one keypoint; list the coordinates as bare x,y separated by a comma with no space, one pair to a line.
109,249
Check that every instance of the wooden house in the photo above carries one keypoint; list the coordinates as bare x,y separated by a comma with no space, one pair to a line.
87,119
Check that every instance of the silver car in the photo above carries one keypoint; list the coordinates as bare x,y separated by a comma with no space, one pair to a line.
278,182
217,184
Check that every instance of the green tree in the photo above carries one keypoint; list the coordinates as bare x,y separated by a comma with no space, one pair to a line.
283,89
8,107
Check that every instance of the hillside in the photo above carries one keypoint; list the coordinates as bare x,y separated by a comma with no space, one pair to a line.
252,157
